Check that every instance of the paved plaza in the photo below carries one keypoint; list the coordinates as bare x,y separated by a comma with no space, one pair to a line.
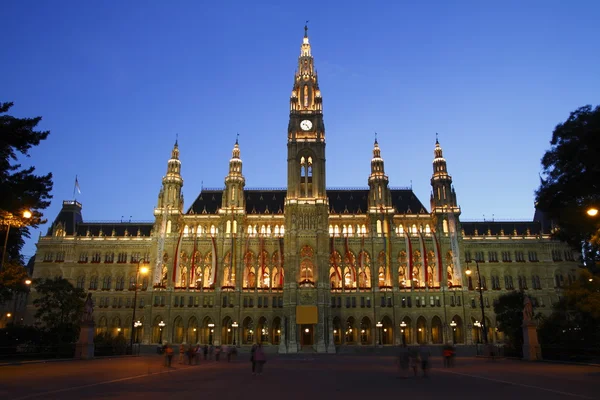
305,376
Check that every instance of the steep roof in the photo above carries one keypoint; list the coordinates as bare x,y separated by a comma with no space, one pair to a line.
507,227
72,221
262,201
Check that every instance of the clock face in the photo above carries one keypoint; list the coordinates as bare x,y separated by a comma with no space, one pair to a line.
305,125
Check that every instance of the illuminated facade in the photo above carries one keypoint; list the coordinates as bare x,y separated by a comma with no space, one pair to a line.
304,267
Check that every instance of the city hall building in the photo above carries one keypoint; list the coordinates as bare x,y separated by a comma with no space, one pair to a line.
304,268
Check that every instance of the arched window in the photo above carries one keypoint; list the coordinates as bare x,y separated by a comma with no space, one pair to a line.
335,270
249,270
403,279
306,266
364,275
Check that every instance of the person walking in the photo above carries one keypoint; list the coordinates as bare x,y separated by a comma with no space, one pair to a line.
447,353
403,361
260,359
424,355
205,351
168,355
414,360
181,353
252,359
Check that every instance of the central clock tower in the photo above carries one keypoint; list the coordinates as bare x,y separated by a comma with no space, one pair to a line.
306,252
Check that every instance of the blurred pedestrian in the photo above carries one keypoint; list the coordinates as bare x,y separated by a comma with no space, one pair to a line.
403,361
447,353
252,359
414,359
168,355
260,359
181,353
424,355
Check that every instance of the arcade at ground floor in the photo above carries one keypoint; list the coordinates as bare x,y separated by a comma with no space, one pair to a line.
301,327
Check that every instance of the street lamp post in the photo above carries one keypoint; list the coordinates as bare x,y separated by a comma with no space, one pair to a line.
17,299
161,325
143,270
234,326
453,326
403,331
379,325
484,328
137,325
9,219
210,332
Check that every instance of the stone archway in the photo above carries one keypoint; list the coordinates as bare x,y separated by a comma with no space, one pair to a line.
227,331
365,331
276,330
387,331
207,331
178,330
248,331
457,330
437,334
421,330
262,330
115,327
350,333
406,330
157,330
192,331
337,331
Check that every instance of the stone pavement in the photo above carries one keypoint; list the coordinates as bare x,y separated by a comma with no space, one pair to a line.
302,376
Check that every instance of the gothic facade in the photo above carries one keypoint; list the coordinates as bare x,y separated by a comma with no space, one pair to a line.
304,267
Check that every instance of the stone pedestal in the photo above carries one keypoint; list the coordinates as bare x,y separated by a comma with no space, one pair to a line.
84,348
532,350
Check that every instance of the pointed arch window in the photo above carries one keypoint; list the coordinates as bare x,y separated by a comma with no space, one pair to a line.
306,266
306,176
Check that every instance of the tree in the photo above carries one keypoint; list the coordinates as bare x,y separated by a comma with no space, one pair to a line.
59,307
570,181
575,320
21,188
509,318
12,281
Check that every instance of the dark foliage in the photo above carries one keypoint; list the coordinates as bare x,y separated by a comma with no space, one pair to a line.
509,317
59,308
570,183
21,188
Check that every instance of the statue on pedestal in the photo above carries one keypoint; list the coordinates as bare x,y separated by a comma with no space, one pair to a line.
527,311
88,310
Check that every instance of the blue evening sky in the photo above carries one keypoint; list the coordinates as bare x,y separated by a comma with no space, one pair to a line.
115,81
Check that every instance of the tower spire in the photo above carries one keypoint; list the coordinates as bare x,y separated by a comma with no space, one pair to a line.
443,195
306,29
379,195
233,195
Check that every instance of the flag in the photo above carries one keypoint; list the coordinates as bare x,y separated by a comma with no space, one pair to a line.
280,262
348,255
439,257
387,249
410,260
232,261
213,272
262,259
176,257
361,263
193,271
424,253
76,187
335,266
